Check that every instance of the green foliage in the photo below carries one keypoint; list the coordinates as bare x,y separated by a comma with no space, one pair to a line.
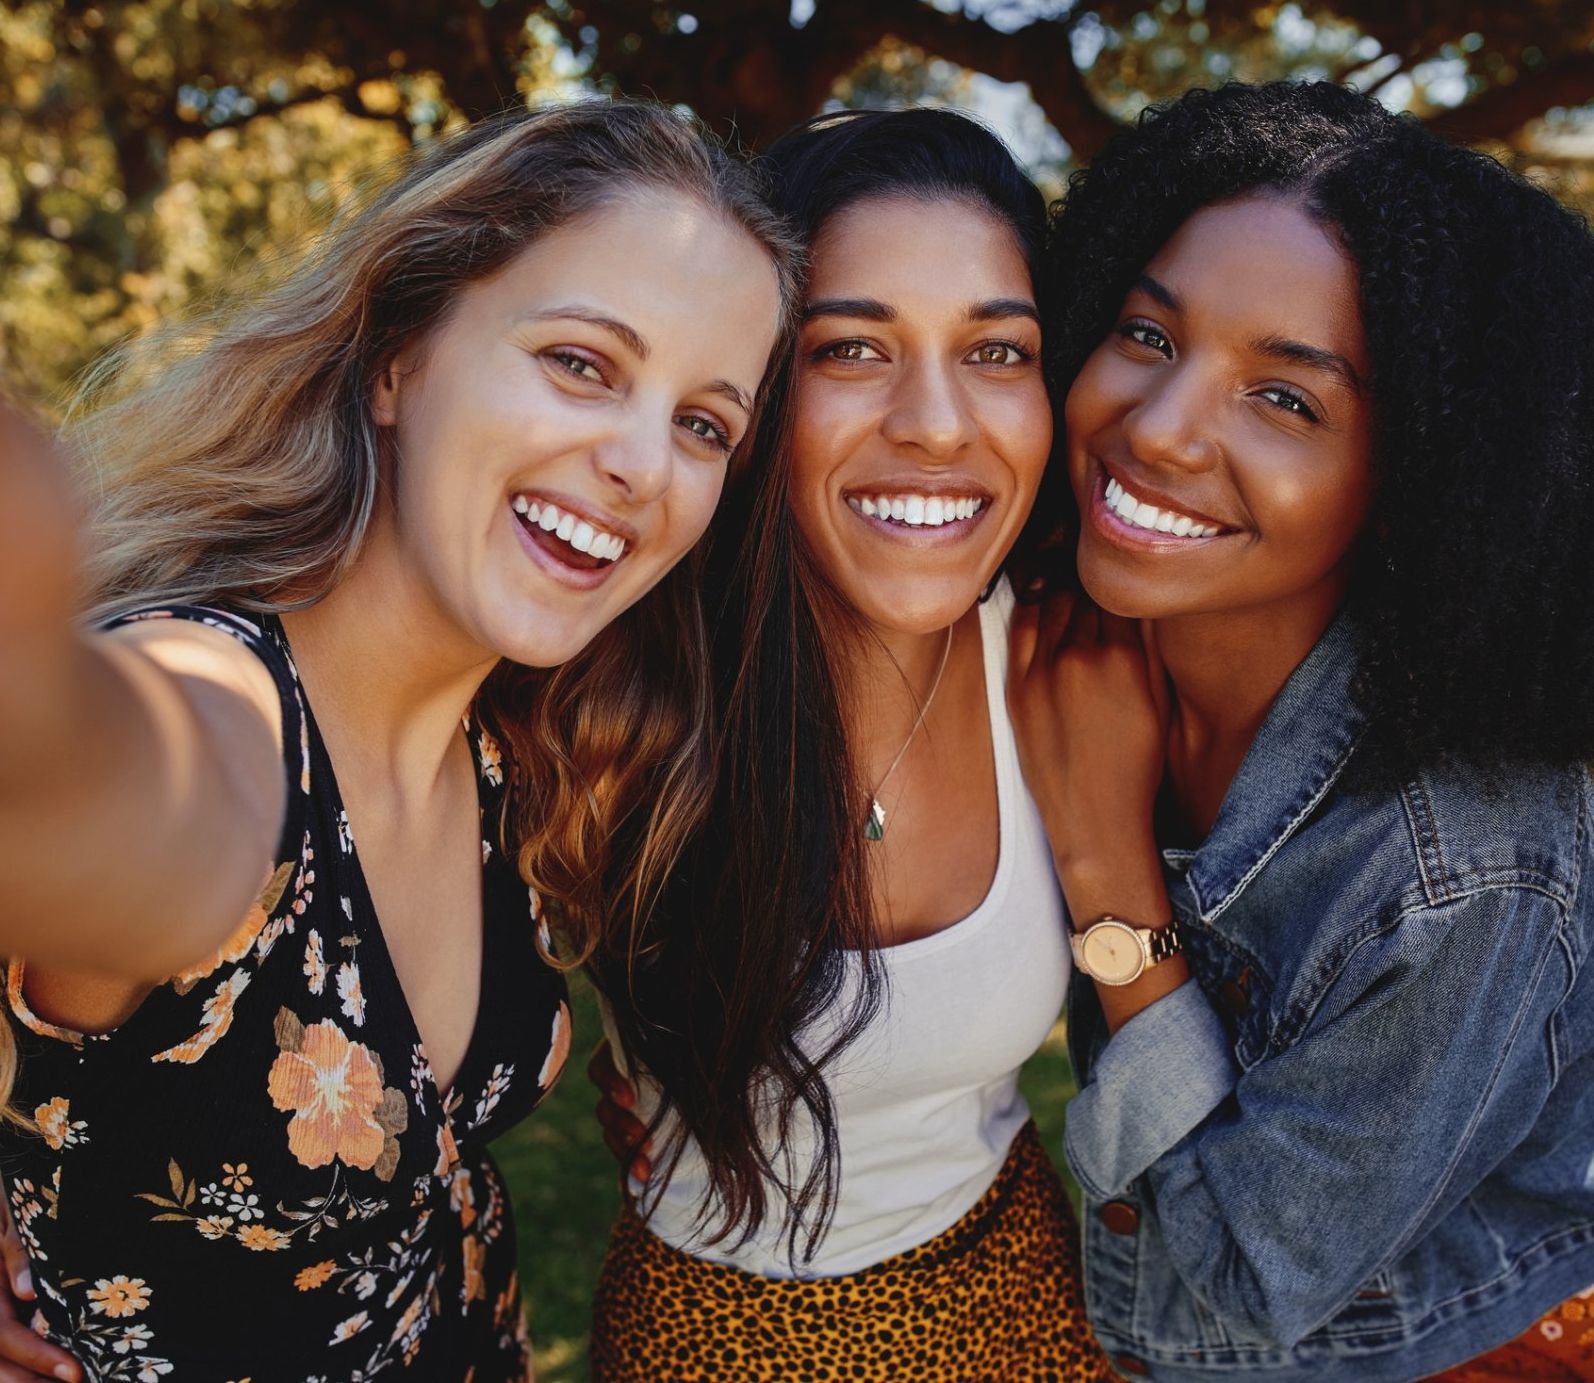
153,151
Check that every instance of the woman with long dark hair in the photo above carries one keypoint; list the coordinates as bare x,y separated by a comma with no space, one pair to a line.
419,480
866,940
1310,744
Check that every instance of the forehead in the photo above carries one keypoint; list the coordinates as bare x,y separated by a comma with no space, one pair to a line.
1262,266
697,287
903,250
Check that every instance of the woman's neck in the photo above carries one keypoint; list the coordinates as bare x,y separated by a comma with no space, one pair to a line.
1226,670
388,674
888,675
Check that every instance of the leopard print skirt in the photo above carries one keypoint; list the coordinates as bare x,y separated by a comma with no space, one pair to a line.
997,1298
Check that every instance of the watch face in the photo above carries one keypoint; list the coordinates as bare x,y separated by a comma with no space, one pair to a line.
1112,953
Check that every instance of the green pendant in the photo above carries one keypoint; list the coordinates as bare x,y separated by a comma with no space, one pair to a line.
875,827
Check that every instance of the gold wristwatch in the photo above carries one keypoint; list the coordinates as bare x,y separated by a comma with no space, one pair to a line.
1112,951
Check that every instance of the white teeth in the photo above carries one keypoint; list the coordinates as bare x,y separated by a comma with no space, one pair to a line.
916,511
579,533
1143,515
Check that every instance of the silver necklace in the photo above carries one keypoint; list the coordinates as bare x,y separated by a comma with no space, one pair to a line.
874,827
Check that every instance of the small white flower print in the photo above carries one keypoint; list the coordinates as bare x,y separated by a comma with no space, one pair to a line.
133,1337
246,1208
497,1087
348,1329
315,963
350,992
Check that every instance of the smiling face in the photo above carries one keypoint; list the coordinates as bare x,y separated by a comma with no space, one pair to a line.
922,423
1219,438
562,435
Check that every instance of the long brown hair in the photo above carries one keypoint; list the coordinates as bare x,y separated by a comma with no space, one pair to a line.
234,460
767,927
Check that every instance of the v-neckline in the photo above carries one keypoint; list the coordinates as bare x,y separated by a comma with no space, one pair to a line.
348,844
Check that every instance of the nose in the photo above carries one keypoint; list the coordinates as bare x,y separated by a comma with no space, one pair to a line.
636,460
1172,422
928,413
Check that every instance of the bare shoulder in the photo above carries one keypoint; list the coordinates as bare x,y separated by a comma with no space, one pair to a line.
227,683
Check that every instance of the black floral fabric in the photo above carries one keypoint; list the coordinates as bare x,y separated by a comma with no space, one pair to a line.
256,1176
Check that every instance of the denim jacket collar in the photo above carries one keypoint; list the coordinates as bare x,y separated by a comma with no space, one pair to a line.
1304,744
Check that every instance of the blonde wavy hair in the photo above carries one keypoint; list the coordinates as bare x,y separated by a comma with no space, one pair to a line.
233,459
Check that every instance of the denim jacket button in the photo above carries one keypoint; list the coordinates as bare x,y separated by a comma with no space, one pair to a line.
1127,1363
1120,1217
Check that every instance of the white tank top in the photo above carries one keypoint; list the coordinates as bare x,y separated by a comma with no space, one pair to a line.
926,1098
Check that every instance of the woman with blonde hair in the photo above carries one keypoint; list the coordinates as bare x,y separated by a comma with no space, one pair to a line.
423,478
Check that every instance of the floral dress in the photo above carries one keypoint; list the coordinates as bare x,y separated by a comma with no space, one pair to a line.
256,1177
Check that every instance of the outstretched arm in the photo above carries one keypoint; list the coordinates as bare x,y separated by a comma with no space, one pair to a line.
141,780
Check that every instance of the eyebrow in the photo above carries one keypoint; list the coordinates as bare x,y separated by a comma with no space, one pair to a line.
728,390
628,335
1315,357
638,347
870,309
873,310
997,308
1159,293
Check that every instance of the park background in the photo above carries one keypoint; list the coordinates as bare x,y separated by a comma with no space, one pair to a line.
154,152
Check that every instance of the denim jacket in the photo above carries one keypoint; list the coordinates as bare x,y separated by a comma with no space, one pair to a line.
1360,1145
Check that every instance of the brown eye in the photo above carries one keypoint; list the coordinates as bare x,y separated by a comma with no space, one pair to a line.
1000,353
851,351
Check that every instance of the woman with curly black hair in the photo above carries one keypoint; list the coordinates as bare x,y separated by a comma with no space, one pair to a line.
1312,735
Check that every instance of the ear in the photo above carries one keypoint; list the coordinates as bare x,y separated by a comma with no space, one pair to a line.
385,393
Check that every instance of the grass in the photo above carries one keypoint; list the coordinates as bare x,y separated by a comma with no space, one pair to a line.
566,1188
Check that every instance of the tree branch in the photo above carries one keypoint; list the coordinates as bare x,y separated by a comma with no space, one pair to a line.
1501,111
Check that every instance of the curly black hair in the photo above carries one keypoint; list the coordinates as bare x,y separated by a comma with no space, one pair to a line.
1474,579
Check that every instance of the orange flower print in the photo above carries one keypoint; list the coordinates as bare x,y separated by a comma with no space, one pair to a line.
119,1296
447,1152
508,1300
237,946
559,1049
492,760
334,1088
215,1226
236,1177
316,1275
214,1022
57,1125
475,1286
261,1239
462,1198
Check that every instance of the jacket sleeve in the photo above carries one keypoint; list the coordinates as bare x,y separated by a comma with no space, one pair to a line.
1421,1064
